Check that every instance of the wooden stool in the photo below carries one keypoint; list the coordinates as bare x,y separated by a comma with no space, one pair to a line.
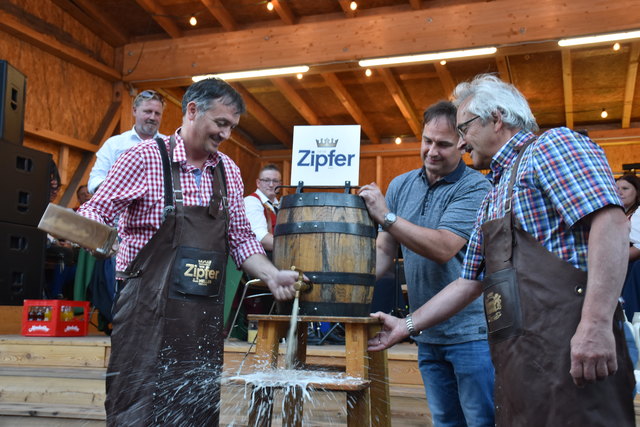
367,396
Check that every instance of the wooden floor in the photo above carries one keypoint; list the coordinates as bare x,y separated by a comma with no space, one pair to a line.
60,382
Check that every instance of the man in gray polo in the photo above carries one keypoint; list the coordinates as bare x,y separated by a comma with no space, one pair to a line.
430,212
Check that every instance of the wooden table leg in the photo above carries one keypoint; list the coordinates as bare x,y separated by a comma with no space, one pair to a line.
267,345
357,365
293,406
379,376
261,407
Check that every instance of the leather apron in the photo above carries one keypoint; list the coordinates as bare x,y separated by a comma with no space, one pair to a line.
533,303
167,340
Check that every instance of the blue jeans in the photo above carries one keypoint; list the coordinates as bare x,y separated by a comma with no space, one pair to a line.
458,380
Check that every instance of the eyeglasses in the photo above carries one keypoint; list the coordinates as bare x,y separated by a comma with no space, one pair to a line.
270,181
463,127
147,95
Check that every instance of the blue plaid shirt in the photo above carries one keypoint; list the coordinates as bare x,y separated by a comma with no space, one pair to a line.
563,177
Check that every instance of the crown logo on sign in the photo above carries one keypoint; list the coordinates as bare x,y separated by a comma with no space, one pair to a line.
327,142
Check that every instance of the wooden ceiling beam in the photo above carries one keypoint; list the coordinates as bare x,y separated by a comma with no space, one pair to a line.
161,16
416,4
502,61
446,79
402,101
630,85
351,106
18,29
567,85
222,15
284,11
85,12
497,23
296,100
265,118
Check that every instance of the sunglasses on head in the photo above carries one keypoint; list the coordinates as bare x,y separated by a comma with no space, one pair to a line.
149,94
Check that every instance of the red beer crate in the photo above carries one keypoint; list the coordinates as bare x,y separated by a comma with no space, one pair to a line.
54,318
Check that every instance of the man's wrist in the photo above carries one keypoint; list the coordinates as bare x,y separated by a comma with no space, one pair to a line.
389,219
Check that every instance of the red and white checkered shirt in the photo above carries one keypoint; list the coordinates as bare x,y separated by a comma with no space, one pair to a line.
133,192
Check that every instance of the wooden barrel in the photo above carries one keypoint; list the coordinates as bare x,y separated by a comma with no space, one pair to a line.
330,237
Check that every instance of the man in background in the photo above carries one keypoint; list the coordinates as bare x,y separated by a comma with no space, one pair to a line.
147,111
430,213
262,205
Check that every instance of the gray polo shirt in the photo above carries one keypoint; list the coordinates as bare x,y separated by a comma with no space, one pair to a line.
450,204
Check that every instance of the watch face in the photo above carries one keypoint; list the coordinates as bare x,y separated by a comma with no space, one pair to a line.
390,217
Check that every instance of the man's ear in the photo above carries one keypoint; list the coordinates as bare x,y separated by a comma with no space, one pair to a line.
191,110
498,124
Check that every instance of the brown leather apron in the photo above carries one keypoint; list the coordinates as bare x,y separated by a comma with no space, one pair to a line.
533,302
167,342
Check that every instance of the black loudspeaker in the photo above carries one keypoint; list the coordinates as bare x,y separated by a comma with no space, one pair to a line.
24,184
13,90
22,256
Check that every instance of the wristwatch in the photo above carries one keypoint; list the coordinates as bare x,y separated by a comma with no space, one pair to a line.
412,331
389,219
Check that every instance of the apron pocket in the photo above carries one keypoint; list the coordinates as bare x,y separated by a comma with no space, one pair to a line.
502,305
198,272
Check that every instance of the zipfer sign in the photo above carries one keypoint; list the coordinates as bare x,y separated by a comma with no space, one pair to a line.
325,155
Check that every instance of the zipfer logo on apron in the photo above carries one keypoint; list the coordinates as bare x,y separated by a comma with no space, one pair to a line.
201,273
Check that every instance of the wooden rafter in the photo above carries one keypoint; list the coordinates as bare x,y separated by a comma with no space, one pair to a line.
502,61
222,15
476,24
241,141
446,79
162,17
567,85
402,101
169,96
265,118
86,12
416,4
630,85
284,11
15,27
351,106
296,100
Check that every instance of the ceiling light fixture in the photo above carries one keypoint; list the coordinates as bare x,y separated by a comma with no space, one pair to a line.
398,140
238,75
269,6
368,72
353,5
604,114
193,21
616,46
299,76
443,62
426,57
603,38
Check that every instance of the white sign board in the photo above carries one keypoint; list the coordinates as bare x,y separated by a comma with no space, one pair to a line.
325,155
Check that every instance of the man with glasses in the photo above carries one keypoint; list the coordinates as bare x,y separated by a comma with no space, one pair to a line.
552,216
430,212
262,205
147,111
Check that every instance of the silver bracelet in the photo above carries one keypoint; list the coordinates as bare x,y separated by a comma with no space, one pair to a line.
412,331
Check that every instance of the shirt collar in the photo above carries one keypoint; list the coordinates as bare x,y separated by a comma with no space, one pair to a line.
265,199
506,154
180,155
452,177
133,129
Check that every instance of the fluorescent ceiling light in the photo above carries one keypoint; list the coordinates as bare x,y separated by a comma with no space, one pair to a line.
599,39
426,57
254,73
